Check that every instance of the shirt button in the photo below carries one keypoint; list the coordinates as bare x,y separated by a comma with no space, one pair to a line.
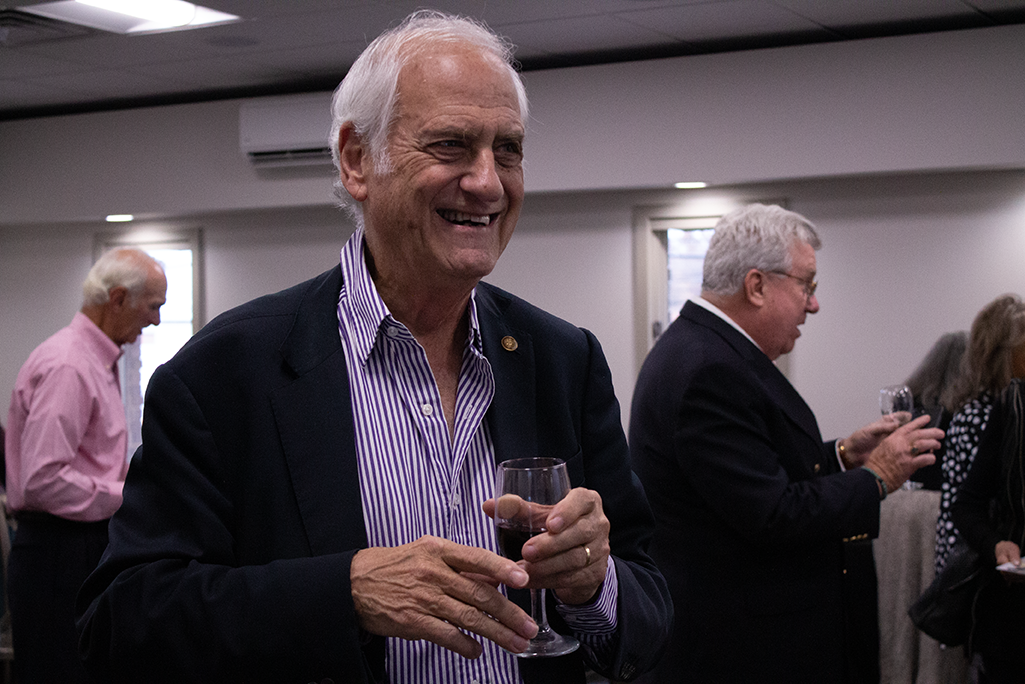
427,409
391,331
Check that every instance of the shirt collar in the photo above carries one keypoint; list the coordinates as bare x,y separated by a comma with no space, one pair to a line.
705,304
360,305
102,346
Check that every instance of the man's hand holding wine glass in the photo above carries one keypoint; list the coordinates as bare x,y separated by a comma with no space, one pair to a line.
571,557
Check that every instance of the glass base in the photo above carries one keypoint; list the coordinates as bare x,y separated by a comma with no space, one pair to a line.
548,644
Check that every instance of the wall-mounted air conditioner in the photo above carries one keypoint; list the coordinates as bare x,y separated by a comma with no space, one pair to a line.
286,130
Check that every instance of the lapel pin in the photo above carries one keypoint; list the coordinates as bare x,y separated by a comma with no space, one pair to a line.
509,343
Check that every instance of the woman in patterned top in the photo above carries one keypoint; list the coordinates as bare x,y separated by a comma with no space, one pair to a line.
990,515
986,370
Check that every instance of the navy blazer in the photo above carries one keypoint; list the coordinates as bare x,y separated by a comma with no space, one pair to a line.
229,559
751,511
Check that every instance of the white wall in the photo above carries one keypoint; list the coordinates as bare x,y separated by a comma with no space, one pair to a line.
905,260
932,101
909,252
925,102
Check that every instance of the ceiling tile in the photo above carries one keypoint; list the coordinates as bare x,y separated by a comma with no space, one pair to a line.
833,14
24,64
559,36
723,20
296,44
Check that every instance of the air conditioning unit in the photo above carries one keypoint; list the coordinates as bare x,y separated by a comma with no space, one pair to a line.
287,130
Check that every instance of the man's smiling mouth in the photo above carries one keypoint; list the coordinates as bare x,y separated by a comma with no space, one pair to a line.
461,219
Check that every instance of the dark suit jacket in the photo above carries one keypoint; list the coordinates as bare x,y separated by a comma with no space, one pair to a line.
751,509
229,559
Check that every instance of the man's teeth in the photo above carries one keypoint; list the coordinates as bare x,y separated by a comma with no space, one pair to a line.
465,219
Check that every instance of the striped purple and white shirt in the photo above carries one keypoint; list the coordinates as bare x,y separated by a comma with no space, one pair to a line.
415,480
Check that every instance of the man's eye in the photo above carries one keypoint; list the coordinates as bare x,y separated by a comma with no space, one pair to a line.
511,153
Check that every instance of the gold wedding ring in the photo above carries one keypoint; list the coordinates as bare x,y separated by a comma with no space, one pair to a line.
914,449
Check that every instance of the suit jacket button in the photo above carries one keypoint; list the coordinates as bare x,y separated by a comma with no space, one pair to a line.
509,343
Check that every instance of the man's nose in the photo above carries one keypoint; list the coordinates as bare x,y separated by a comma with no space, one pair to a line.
482,178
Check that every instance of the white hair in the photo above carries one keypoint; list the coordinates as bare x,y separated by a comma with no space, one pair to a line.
126,267
366,96
756,236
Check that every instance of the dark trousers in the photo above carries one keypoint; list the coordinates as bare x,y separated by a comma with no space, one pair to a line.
861,613
999,634
50,559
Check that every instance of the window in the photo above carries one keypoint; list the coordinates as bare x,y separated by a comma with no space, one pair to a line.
685,260
179,253
667,270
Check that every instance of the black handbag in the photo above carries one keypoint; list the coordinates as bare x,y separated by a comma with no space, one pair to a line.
944,610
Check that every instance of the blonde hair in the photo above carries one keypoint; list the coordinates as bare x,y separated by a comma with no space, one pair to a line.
987,366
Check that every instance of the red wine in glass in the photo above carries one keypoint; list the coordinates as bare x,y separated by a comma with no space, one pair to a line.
526,490
512,537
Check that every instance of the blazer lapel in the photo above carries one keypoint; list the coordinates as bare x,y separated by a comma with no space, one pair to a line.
788,398
776,384
314,419
510,351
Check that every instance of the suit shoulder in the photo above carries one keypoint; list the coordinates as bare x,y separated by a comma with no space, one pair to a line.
264,320
686,336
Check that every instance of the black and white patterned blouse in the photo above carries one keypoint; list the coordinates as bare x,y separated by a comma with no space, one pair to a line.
962,442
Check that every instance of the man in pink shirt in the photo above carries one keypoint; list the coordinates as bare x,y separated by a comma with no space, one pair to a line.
66,460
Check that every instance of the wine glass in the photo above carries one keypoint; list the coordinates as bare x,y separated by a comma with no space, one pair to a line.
526,490
894,398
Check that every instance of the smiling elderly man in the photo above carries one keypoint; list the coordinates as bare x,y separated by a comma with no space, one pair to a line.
311,500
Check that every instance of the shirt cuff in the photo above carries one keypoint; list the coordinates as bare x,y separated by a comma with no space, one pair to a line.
600,615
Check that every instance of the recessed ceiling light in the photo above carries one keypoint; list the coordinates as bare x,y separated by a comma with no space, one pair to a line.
120,218
690,185
132,16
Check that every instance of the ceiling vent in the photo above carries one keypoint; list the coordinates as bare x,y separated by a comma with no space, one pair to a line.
288,130
20,29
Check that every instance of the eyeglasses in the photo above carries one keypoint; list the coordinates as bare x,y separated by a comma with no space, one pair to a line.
808,284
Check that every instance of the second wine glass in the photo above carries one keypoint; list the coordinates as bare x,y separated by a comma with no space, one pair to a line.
526,490
895,398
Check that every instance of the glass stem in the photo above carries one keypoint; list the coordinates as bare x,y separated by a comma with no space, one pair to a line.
539,612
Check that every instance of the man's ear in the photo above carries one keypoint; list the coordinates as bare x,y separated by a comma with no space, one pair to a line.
353,161
117,297
754,287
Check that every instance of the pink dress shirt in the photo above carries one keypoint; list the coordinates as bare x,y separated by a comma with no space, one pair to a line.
66,431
